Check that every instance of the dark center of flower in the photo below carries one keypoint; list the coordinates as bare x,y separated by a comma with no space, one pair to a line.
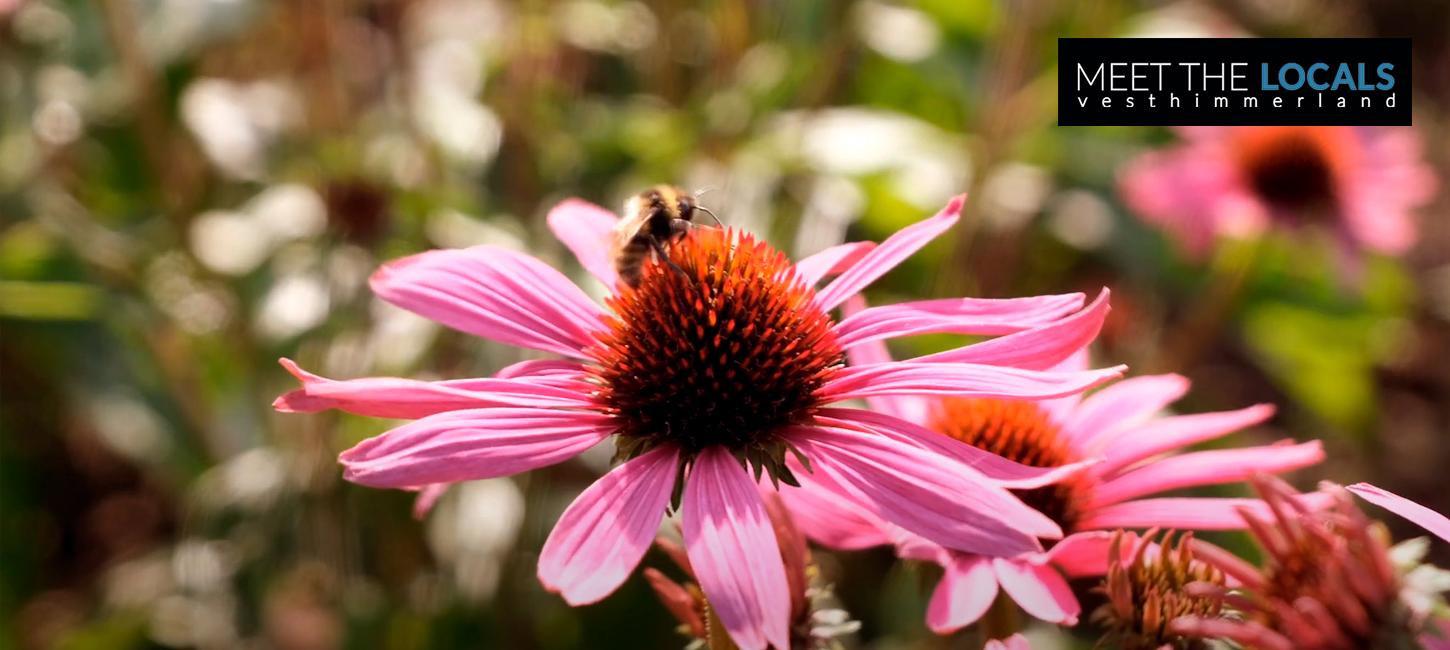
1146,593
1020,431
1291,171
722,344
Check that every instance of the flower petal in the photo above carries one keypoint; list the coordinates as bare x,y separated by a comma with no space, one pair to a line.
1170,433
929,495
959,379
394,397
428,497
1039,348
1190,513
588,231
732,548
954,316
828,517
908,407
1085,553
601,537
1417,514
1014,642
494,293
1124,404
1214,467
886,256
962,595
1006,473
832,261
1039,589
473,444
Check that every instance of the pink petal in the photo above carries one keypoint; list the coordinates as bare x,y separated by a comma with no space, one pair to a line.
907,407
1004,472
1124,404
954,316
1417,514
1191,513
1014,642
832,261
924,493
963,595
588,231
393,397
473,444
828,516
1170,433
1085,554
732,548
959,379
494,293
1206,468
1039,348
603,534
891,252
428,497
540,369
1039,589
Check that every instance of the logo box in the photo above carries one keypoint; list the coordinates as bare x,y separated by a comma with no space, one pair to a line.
1233,81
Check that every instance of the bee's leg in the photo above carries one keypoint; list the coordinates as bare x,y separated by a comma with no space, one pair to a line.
665,257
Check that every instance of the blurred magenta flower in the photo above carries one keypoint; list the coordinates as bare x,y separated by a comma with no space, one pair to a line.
701,374
1014,642
1330,580
1361,183
1111,450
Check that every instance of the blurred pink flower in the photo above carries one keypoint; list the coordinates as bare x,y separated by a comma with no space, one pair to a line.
1014,642
701,373
1362,183
1110,449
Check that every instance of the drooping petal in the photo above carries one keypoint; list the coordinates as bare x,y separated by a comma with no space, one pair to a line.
1039,589
494,293
832,261
909,407
1170,433
603,534
1124,404
540,369
588,231
1039,348
954,316
428,497
1189,513
473,444
965,591
1014,642
886,256
732,548
927,494
827,516
959,379
1085,553
1006,473
1419,515
1206,468
395,397
981,316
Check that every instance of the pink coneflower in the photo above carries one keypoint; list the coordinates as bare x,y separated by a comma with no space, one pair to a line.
1363,183
721,362
1114,451
1330,581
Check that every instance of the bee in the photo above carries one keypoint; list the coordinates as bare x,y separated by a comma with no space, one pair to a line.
653,218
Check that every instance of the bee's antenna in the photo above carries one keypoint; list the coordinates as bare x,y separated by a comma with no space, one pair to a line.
701,192
711,213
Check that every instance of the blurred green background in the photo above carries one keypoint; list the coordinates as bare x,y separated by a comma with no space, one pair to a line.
190,189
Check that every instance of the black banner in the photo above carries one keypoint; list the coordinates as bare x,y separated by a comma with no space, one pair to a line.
1233,81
